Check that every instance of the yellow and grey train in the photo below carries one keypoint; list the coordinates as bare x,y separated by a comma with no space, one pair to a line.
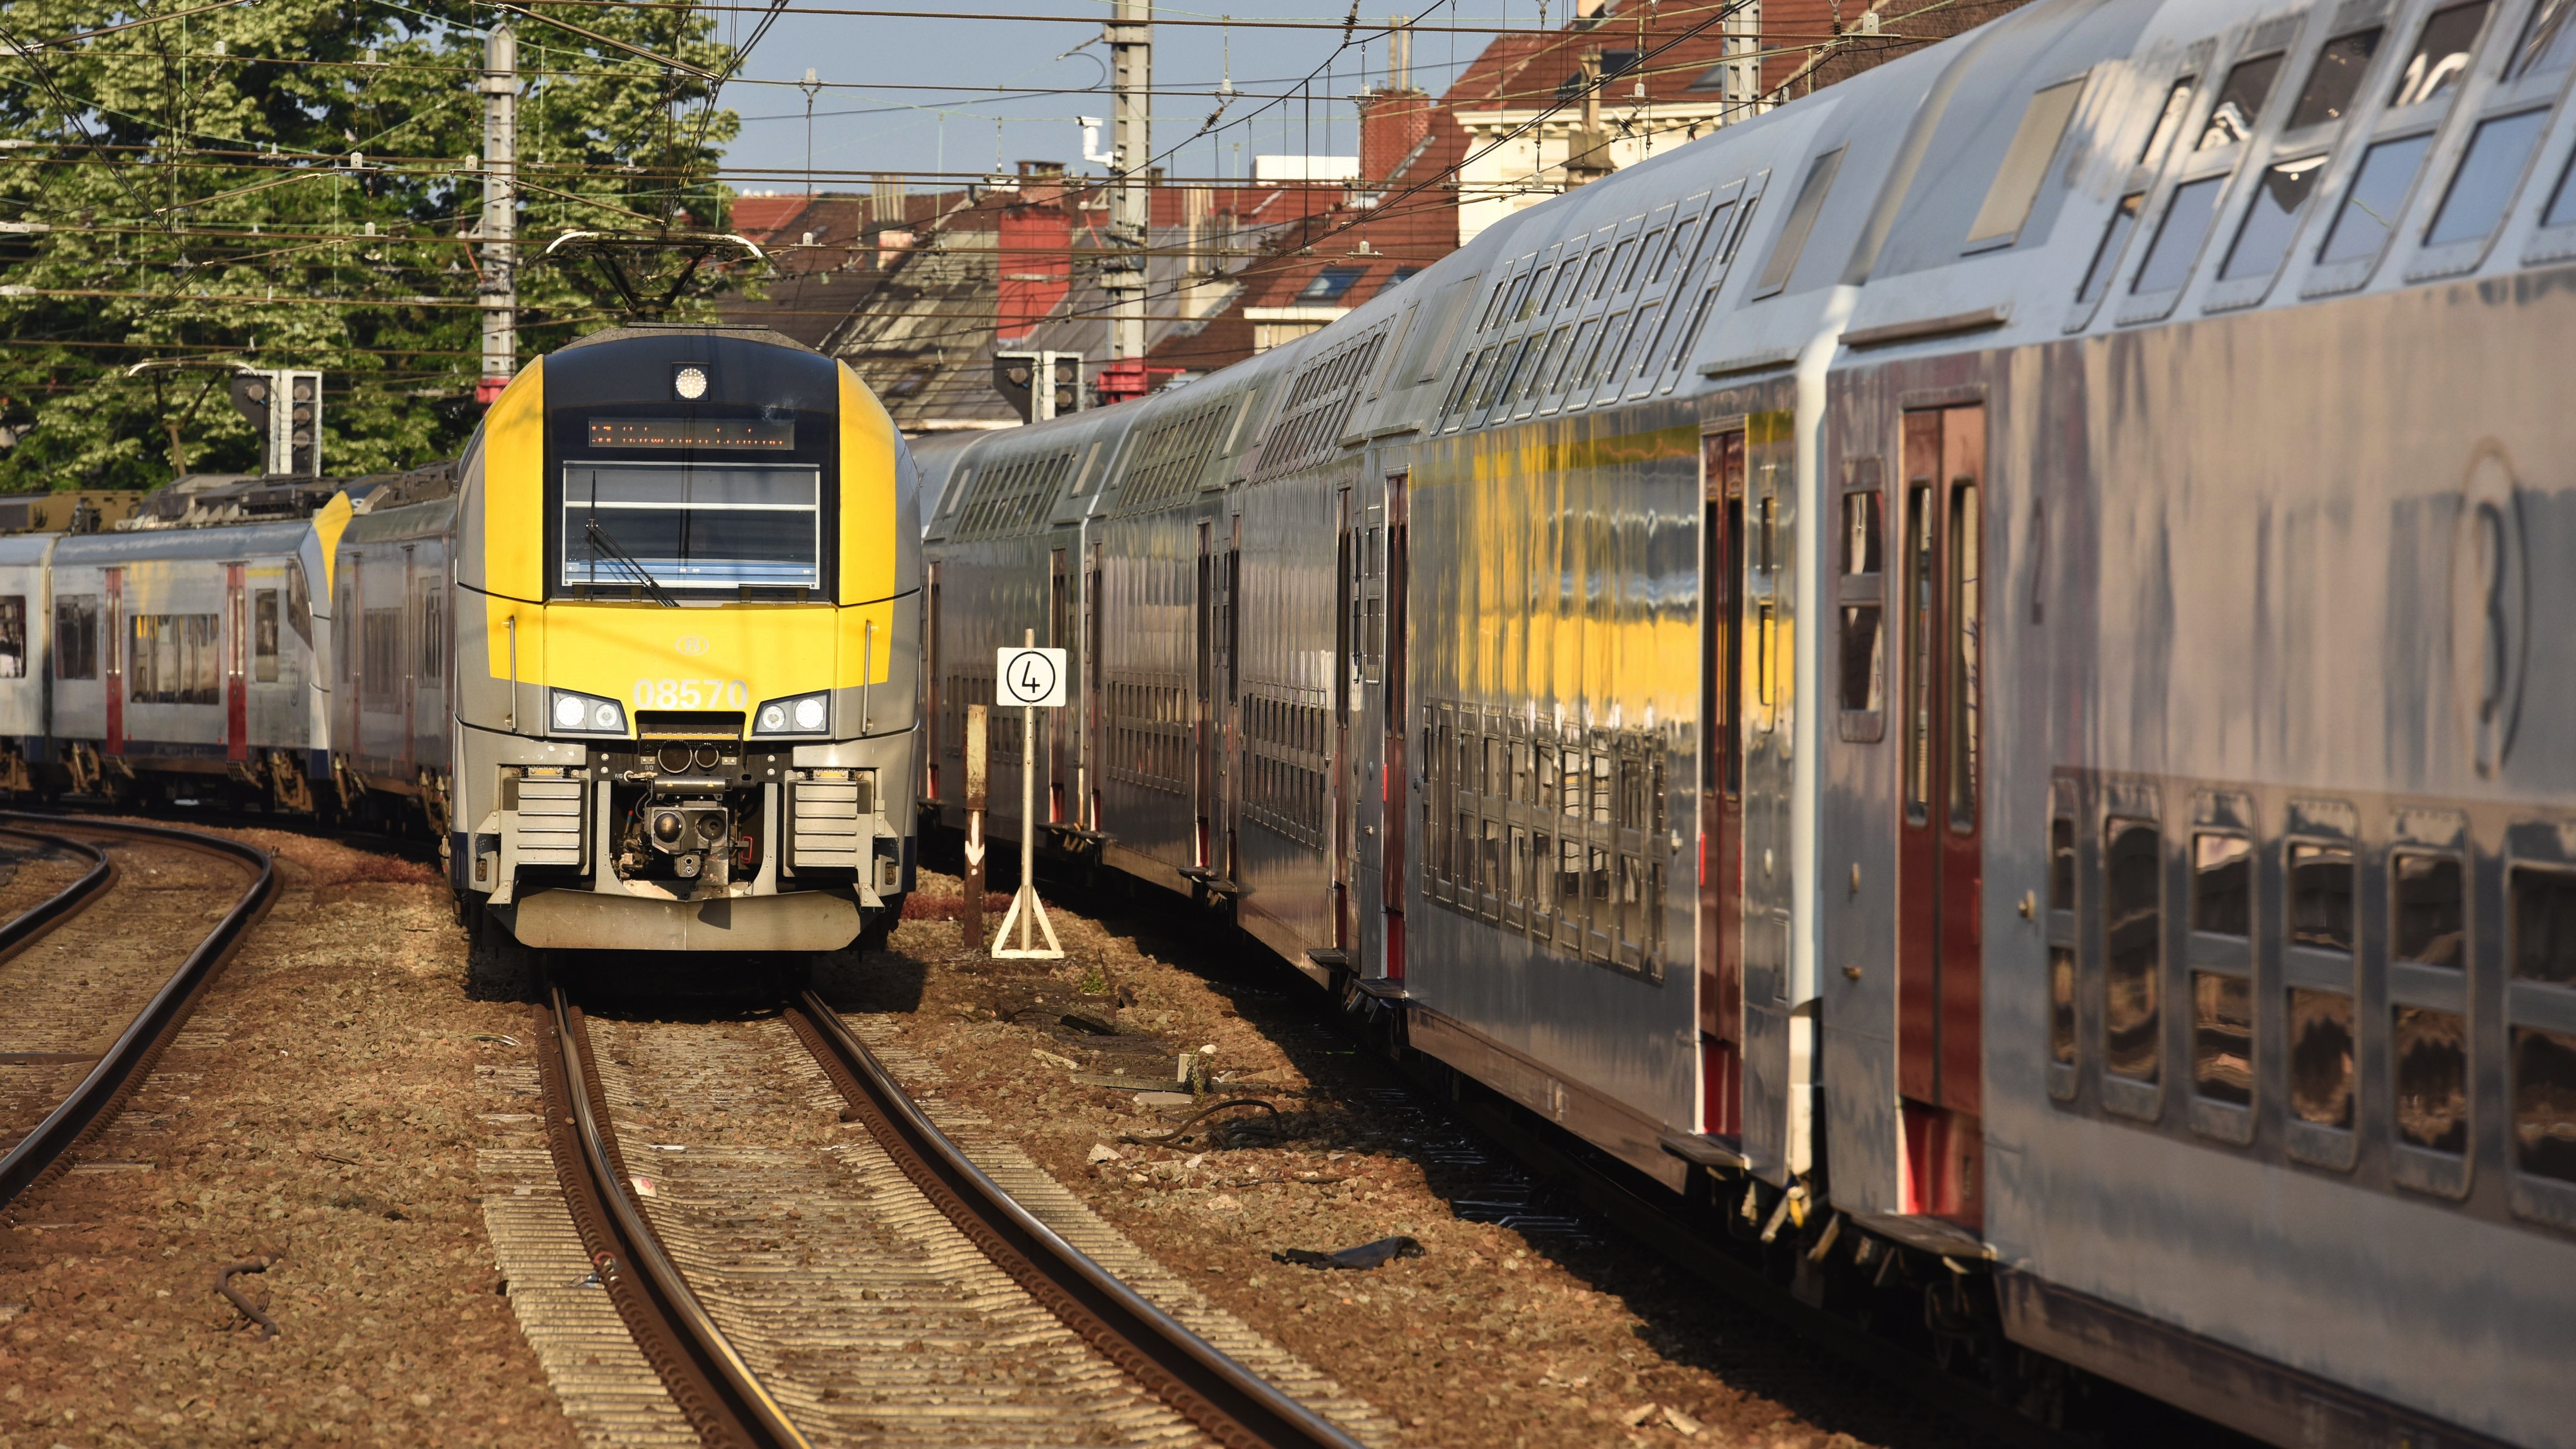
643,659
683,641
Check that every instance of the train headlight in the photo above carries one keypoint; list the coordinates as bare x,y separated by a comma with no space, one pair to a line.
803,714
587,714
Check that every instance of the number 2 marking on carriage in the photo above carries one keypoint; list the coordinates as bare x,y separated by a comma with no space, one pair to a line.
1031,678
690,694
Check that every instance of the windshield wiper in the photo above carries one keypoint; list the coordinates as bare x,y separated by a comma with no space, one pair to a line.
601,543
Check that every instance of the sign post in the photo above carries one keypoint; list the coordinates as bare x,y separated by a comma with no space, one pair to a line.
970,921
1033,679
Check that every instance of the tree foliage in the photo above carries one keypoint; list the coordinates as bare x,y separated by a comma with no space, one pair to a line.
296,183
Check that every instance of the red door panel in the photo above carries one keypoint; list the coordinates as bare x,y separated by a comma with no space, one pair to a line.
236,678
1721,844
1940,860
1397,767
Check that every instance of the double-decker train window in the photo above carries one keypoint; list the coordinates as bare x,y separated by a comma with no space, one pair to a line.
2483,186
2240,102
2544,925
2222,1037
2321,884
2544,1103
2443,51
2106,254
264,631
2375,197
2133,945
2429,1075
2428,909
2222,884
2335,79
2548,41
13,636
76,636
2321,1058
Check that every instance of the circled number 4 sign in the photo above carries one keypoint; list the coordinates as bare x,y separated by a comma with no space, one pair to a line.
1030,678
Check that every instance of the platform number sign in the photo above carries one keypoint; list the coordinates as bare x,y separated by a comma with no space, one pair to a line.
1030,678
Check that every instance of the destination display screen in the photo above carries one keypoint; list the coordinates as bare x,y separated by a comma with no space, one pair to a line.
759,434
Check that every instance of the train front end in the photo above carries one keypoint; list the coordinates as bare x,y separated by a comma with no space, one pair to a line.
685,633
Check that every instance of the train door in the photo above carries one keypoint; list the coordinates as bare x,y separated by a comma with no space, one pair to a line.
1231,696
1345,689
1094,702
1721,777
1203,655
934,698
1398,774
1940,845
112,669
349,620
407,705
1060,636
236,659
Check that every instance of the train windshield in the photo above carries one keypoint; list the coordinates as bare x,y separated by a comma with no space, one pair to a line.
676,526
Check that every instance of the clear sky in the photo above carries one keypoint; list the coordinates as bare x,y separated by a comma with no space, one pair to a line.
878,107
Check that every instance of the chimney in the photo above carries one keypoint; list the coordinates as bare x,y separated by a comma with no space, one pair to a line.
1392,123
1034,237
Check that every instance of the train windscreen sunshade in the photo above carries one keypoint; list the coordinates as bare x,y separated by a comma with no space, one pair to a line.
681,526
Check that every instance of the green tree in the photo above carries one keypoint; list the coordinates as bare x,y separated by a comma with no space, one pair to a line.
295,183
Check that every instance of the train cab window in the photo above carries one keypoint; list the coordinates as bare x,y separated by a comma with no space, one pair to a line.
2442,54
2372,202
692,526
2544,1103
2270,224
2222,885
2177,244
2133,940
264,633
76,636
2544,926
2429,1051
2548,42
2025,164
2321,1058
2240,102
13,636
2484,184
2335,79
2106,255
2428,905
2321,882
2222,1037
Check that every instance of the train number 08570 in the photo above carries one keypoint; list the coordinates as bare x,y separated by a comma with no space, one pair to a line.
690,694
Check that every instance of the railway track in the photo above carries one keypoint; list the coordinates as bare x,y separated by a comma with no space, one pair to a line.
784,1306
75,971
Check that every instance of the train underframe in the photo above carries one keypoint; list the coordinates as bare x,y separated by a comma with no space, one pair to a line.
685,845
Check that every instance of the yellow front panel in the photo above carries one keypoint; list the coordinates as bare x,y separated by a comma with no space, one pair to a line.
651,657
514,521
867,497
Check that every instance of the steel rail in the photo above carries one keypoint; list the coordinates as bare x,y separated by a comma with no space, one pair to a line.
1234,1405
32,924
140,1044
708,1378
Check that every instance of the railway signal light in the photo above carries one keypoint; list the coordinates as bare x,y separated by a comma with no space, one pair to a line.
1039,385
285,405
